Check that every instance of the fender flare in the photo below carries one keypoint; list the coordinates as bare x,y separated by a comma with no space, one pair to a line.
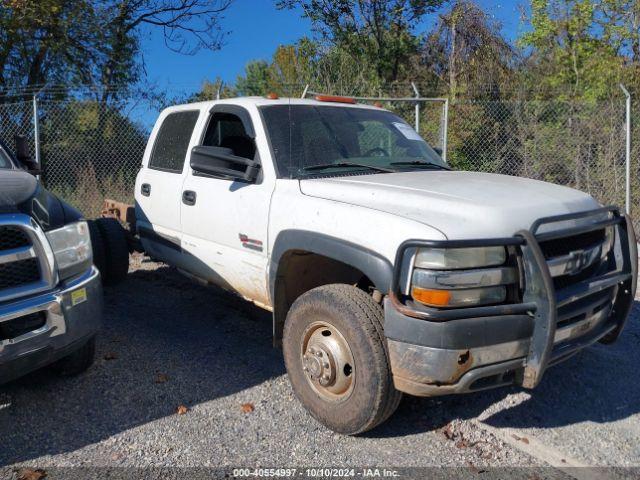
376,267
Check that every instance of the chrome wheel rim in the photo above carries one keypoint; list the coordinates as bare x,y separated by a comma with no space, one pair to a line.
327,362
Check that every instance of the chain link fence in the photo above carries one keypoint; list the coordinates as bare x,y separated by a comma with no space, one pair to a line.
16,118
580,145
91,151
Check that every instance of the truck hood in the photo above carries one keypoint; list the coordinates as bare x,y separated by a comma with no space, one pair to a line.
20,192
462,205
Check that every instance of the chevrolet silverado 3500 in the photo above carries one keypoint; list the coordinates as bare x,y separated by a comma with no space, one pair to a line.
386,271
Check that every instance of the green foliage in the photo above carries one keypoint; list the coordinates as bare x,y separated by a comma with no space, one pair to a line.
257,79
468,54
61,43
570,56
378,32
327,68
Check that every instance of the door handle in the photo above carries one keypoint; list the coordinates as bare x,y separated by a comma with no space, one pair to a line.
189,197
145,189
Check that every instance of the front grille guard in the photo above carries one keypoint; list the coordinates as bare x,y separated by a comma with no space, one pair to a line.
539,297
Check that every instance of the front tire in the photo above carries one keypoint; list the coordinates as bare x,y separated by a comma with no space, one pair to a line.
78,361
336,357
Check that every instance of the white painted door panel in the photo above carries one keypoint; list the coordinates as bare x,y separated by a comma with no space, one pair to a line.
159,183
224,235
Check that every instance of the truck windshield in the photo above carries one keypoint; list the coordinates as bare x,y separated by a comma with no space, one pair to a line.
311,140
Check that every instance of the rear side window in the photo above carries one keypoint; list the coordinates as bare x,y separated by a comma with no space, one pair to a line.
170,149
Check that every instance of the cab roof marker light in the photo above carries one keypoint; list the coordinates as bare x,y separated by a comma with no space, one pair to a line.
335,99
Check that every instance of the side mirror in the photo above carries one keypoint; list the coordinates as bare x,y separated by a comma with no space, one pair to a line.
23,156
438,150
221,162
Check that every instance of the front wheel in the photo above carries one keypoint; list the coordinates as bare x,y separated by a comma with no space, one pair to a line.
336,357
78,361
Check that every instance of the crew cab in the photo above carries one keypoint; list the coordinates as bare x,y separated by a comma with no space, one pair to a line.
386,270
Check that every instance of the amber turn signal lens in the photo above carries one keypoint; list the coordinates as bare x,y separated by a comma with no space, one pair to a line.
435,298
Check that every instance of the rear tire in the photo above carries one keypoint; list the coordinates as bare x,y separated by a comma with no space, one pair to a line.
326,329
78,361
116,250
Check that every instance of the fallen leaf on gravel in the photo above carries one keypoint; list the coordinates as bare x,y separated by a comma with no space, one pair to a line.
448,432
110,356
31,474
475,469
247,407
162,378
522,439
462,443
182,409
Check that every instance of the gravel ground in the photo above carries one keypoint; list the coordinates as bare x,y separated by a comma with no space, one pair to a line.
168,343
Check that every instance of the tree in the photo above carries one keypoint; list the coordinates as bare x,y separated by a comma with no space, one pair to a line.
256,79
186,25
620,20
96,42
380,31
45,41
468,53
569,57
307,62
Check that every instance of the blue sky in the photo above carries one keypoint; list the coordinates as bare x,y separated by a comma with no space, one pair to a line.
256,29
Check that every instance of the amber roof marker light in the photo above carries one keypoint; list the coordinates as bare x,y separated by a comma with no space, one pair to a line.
335,99
272,96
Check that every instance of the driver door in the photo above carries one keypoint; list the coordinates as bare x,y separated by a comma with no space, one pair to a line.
224,222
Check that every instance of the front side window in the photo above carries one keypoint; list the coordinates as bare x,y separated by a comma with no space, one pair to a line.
170,148
226,130
308,140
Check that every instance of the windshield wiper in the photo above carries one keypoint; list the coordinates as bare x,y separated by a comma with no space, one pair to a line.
421,164
326,166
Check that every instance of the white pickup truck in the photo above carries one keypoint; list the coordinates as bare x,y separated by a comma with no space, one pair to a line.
386,271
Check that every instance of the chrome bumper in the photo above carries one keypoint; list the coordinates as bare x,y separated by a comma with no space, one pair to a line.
438,352
72,313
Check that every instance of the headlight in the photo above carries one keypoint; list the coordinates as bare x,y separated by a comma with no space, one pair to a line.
452,258
461,277
71,247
